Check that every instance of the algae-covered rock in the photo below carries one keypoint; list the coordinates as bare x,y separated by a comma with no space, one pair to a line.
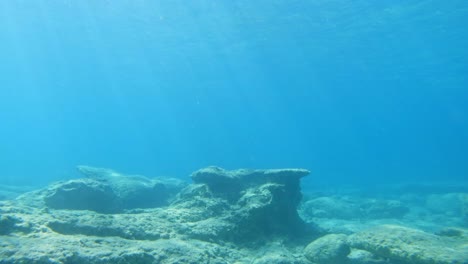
329,249
136,191
411,246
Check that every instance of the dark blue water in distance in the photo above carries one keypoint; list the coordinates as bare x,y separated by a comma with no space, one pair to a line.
358,91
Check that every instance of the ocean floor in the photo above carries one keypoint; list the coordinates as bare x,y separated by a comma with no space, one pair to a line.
239,216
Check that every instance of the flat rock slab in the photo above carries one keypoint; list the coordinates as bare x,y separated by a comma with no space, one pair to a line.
208,174
47,248
232,181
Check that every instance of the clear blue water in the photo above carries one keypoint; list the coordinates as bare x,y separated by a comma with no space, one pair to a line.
356,91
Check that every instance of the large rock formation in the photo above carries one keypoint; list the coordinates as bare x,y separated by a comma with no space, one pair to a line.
104,219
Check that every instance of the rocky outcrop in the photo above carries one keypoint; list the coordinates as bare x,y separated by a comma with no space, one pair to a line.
261,202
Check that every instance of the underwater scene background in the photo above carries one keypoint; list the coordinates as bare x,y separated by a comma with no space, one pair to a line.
147,97
356,91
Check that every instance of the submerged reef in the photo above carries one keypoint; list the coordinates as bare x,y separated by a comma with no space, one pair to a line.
223,216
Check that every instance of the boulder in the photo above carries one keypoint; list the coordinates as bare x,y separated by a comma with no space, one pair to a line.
329,249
